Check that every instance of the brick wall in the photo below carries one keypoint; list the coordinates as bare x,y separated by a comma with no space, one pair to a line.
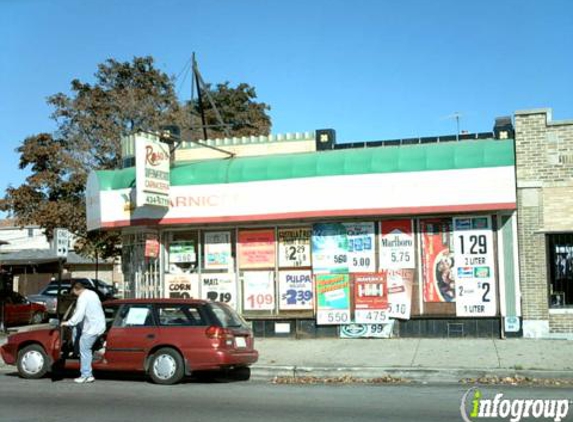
544,168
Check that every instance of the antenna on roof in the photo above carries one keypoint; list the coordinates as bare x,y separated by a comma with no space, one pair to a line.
456,115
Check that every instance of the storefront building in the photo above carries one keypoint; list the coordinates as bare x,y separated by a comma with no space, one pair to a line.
307,238
544,164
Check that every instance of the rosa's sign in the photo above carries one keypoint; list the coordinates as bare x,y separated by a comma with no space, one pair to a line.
152,164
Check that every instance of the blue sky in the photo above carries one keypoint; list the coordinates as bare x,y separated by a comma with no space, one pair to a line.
369,69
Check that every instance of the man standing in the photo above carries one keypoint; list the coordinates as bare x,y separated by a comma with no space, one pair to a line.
89,316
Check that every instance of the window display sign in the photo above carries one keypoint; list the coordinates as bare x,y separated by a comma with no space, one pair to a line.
182,286
257,248
258,290
329,248
151,246
361,253
475,278
294,247
217,250
370,298
182,251
399,293
220,288
332,299
438,260
296,290
397,244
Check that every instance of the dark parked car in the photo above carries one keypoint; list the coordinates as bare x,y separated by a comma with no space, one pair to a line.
20,311
165,338
49,294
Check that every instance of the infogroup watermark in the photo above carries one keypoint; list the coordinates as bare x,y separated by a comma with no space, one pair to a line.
476,407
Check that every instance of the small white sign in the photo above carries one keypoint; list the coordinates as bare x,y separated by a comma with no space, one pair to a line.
61,242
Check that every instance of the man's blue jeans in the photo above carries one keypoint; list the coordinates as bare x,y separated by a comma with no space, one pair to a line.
86,355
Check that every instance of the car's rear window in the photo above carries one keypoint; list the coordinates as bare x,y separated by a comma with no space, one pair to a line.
227,316
179,316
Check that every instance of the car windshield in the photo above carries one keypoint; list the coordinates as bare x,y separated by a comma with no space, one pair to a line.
227,317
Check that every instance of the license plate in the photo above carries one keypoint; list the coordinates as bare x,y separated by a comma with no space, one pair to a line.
240,342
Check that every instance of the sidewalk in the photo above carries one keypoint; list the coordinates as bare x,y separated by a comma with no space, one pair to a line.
421,360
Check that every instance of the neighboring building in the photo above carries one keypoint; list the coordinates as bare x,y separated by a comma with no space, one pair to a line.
307,239
544,164
21,238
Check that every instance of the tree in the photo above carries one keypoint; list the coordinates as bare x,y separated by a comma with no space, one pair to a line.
91,120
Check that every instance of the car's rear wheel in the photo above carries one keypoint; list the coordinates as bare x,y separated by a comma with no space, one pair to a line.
33,363
166,366
37,318
242,373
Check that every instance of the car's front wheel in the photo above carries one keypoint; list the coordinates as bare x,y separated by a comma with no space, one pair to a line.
33,363
166,366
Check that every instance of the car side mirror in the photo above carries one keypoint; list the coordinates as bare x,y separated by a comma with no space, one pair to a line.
54,322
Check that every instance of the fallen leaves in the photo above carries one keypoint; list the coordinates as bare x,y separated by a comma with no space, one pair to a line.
517,380
344,379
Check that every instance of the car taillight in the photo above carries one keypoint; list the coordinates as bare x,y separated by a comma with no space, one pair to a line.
218,332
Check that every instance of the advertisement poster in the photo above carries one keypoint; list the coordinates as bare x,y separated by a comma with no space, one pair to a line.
220,288
332,299
257,248
400,293
367,330
329,248
370,298
397,244
438,260
294,247
258,290
217,250
151,246
182,286
361,247
296,290
182,251
475,278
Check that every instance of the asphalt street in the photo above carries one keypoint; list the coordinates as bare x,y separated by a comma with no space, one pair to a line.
122,400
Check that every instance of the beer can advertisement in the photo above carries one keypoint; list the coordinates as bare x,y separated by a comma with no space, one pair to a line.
370,298
294,247
329,248
182,286
257,248
438,260
258,290
475,284
397,244
296,290
220,288
332,299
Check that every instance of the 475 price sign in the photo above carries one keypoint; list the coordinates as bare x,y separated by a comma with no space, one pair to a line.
474,267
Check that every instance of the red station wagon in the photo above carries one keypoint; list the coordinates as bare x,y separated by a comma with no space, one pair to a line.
165,338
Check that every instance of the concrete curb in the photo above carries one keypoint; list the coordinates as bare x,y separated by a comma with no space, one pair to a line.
419,375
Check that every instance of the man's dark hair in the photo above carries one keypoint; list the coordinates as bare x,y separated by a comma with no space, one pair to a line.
78,285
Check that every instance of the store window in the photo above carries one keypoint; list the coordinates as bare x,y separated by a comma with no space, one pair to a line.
560,270
181,264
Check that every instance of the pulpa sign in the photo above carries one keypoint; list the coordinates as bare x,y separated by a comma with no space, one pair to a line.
475,407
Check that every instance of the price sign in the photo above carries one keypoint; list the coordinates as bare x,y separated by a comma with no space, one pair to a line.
258,290
332,299
182,252
257,248
370,298
397,244
474,270
335,317
362,316
367,330
296,290
361,254
219,288
294,247
182,286
399,293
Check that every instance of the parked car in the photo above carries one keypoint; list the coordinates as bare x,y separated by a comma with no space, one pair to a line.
21,311
165,338
49,294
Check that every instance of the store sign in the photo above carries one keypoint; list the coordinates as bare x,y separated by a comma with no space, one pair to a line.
361,249
397,244
218,250
182,251
399,283
296,290
370,298
294,247
329,248
259,290
220,288
151,246
257,249
152,171
474,269
332,299
182,286
438,260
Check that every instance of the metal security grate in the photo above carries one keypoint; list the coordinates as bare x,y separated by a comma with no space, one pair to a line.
560,256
